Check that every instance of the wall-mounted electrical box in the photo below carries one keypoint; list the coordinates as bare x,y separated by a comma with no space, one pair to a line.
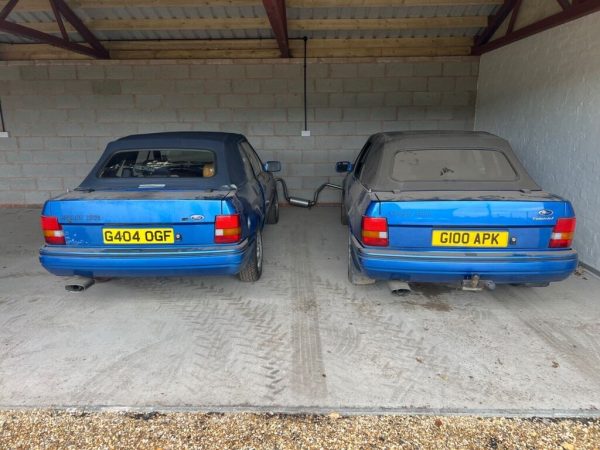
305,133
3,134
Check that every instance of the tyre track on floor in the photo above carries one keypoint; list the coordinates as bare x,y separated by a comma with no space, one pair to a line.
308,370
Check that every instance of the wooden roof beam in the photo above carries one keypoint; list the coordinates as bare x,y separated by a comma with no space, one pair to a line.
278,17
495,21
43,5
252,48
575,11
61,11
263,23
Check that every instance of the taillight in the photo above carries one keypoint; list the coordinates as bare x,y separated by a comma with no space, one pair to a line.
53,232
375,231
228,229
563,232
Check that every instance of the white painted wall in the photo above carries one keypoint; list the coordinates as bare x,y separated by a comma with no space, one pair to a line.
543,95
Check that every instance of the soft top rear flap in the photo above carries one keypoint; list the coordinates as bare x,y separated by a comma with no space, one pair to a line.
377,172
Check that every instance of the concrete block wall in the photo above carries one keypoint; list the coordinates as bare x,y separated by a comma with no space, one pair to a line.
543,95
60,115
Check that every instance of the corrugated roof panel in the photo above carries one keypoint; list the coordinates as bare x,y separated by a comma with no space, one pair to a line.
257,11
31,17
200,12
391,12
182,34
382,34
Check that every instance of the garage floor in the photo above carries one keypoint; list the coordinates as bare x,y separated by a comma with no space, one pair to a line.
300,339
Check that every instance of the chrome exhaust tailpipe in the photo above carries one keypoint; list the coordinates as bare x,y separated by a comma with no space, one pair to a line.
399,288
78,284
302,203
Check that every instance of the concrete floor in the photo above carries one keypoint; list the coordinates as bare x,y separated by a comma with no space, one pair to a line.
300,339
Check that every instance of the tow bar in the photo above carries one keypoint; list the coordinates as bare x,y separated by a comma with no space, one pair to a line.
476,284
301,202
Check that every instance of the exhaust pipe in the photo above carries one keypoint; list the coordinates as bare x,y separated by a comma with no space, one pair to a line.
301,202
78,284
399,288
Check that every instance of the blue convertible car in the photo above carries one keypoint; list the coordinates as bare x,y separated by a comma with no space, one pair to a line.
452,207
165,204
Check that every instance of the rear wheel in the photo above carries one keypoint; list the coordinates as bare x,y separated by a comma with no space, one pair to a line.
252,270
273,215
355,276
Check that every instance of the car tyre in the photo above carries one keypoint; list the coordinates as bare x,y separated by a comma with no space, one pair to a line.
343,214
273,215
355,276
252,270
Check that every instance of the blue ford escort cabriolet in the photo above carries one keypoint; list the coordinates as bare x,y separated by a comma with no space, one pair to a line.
452,207
165,204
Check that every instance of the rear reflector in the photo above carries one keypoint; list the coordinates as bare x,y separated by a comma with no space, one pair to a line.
563,233
374,231
53,232
228,229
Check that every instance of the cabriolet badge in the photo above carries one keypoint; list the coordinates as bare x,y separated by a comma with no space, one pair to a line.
545,212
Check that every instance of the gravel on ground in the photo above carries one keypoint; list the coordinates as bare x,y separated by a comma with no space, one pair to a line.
79,429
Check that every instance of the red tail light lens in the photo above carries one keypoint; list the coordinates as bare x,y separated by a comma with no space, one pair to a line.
228,229
53,232
375,231
563,232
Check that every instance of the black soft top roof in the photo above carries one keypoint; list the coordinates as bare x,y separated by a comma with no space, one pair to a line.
377,171
228,167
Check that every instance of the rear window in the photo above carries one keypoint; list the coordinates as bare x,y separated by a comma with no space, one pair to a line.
160,163
452,165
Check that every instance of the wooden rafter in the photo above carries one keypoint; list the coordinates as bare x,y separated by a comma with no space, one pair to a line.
42,5
575,10
263,23
276,12
61,11
253,48
495,21
514,15
7,9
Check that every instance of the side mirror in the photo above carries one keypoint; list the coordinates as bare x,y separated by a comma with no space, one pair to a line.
343,166
272,166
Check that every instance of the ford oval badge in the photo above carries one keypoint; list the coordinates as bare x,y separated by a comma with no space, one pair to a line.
197,217
545,212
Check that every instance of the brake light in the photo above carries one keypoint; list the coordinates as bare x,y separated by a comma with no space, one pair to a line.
563,232
228,229
375,231
53,232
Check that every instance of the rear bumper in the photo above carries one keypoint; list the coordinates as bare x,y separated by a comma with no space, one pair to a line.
139,262
455,266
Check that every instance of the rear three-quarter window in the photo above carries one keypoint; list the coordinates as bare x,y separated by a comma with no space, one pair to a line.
160,163
452,165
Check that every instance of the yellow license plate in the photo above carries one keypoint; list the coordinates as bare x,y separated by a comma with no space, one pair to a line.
456,238
138,236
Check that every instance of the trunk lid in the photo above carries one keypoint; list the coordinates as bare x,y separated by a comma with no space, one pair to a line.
514,220
187,216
